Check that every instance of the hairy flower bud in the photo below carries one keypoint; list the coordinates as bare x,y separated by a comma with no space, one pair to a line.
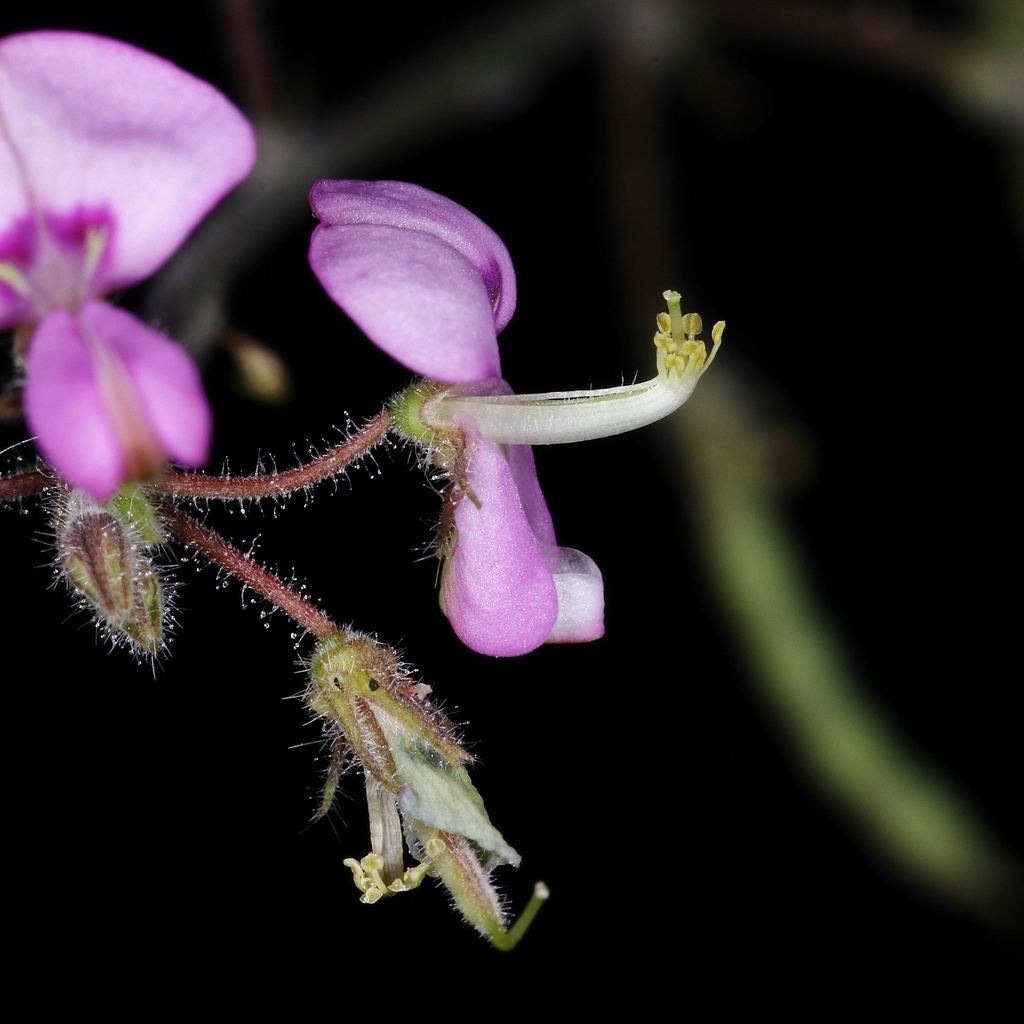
104,553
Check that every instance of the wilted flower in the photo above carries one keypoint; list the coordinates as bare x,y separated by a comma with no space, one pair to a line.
417,786
109,157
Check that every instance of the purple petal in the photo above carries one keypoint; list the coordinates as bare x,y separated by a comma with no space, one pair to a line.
66,412
92,123
413,295
524,472
107,398
398,204
165,380
428,282
498,591
578,580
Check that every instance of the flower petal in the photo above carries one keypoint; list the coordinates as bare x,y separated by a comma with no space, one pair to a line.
578,580
580,589
498,591
66,411
524,472
398,204
428,282
93,123
107,397
165,380
413,295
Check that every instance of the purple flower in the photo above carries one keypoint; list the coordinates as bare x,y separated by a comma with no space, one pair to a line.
109,157
432,285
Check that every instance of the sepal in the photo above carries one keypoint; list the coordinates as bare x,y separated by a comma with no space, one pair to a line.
105,555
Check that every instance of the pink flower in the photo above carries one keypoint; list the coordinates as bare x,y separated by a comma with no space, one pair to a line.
109,157
433,286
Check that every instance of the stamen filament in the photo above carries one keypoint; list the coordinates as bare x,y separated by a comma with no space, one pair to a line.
560,417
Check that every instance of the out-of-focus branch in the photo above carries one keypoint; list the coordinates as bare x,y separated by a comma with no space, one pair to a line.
487,70
865,33
912,817
983,75
852,752
250,58
491,67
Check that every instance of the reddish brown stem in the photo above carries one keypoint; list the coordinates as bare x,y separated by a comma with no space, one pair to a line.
250,57
277,485
21,485
254,576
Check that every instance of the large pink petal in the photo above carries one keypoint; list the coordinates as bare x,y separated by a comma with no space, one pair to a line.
413,295
66,411
92,123
165,381
104,384
498,591
398,204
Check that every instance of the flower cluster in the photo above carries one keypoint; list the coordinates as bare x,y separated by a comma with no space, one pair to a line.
109,157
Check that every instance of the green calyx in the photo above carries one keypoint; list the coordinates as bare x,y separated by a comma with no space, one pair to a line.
411,420
131,506
105,555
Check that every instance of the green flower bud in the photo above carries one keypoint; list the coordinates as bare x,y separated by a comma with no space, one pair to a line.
104,553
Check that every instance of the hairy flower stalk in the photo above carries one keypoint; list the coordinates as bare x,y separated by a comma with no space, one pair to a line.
416,784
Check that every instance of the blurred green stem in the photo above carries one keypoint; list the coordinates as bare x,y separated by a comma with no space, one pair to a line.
913,817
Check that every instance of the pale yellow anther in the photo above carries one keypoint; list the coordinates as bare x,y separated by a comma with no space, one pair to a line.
12,276
435,847
692,324
366,874
411,879
95,243
681,352
693,349
674,361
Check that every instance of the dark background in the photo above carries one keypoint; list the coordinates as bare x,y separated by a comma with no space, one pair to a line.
858,234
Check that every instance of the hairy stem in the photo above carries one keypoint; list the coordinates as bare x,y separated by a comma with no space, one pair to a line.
276,485
263,581
25,483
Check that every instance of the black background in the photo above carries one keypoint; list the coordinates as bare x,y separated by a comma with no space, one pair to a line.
858,235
